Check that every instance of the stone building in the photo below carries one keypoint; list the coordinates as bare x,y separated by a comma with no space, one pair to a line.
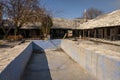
106,26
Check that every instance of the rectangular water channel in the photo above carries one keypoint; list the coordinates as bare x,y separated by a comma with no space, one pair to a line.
54,65
60,60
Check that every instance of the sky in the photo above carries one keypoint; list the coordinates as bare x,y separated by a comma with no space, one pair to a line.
74,8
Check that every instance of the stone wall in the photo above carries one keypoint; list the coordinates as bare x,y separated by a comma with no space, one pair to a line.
14,70
100,64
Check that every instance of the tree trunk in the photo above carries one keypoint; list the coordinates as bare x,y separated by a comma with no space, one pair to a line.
6,32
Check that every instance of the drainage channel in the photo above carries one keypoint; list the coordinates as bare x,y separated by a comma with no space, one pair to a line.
54,65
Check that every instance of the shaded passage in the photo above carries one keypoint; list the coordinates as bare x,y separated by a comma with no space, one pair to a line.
37,68
54,65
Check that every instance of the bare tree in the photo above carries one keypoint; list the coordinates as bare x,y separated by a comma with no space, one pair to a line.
46,25
92,13
1,8
21,12
5,25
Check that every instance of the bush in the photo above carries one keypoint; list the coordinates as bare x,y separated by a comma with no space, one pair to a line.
0,43
13,37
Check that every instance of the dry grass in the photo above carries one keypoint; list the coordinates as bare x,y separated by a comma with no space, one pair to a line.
1,42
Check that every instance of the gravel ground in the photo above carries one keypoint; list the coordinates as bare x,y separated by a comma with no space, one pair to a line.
8,53
5,45
106,47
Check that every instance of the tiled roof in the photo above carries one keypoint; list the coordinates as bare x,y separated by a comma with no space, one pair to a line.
106,20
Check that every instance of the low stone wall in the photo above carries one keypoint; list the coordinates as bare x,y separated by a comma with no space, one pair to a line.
16,66
47,44
100,64
14,70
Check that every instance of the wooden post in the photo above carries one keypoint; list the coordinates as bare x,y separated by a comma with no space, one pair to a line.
105,33
101,33
88,33
111,33
95,33
83,33
115,32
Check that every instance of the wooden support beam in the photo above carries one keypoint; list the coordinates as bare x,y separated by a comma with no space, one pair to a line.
98,33
101,33
83,33
115,32
95,33
112,34
88,33
105,33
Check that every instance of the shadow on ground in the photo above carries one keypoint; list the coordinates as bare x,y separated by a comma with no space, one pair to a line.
5,46
37,68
